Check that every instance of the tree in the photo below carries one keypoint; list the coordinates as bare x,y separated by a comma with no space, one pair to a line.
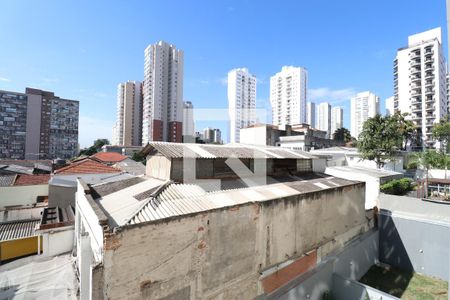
426,160
382,137
406,129
98,144
441,132
343,135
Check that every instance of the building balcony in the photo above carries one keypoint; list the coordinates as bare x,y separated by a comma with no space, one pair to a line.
429,91
415,71
432,116
429,75
416,117
429,100
416,109
415,62
416,79
430,108
414,54
429,68
416,93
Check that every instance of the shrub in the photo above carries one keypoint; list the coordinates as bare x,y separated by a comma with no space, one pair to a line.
397,186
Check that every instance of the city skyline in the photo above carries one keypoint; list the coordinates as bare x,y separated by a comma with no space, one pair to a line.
93,69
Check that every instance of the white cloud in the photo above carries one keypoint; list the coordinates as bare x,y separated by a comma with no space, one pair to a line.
329,95
4,79
91,129
224,80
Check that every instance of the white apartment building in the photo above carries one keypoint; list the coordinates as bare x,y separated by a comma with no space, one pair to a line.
324,118
311,114
288,96
163,93
127,130
337,119
188,119
241,101
420,82
363,106
389,104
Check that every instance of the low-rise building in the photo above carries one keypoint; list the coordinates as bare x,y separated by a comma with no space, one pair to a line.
298,137
167,236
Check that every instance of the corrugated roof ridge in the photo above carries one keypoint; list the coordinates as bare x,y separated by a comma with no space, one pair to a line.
148,201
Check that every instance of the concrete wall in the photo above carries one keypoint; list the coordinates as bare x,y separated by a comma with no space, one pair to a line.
345,289
21,195
351,262
33,137
222,253
57,241
61,196
355,160
372,184
415,244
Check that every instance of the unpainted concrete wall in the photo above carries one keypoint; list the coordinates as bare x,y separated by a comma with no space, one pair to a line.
61,196
221,254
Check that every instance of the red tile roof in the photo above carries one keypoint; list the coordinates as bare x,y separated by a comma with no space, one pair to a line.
87,166
24,179
109,157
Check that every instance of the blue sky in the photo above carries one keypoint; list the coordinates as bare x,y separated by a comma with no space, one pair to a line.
83,49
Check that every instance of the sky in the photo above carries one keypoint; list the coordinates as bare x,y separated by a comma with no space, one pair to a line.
82,49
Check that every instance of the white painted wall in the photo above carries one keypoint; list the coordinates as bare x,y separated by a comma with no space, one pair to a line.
372,184
254,135
356,161
57,241
21,195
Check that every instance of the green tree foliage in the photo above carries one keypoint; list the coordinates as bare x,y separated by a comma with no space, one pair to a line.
397,186
98,144
343,135
426,160
139,157
382,137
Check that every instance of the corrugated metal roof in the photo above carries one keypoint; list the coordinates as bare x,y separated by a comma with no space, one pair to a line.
18,229
7,180
186,150
182,199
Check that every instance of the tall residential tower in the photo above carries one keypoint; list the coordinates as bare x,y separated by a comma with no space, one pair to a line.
288,96
162,118
420,82
311,114
324,118
241,101
337,119
37,125
363,106
128,127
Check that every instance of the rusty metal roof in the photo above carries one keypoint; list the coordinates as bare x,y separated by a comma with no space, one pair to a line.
187,150
18,229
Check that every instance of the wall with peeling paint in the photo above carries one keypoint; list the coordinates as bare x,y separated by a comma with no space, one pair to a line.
227,253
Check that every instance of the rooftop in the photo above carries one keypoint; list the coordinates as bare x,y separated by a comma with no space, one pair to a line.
18,229
153,199
186,150
7,180
130,166
25,179
87,166
377,173
108,157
